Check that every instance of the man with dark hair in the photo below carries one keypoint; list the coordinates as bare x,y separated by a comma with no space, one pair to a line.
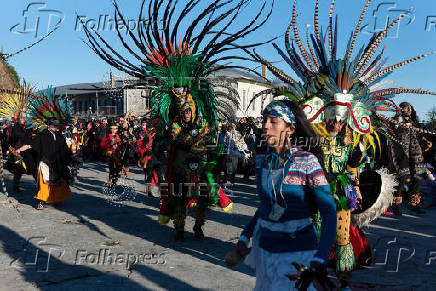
409,162
20,161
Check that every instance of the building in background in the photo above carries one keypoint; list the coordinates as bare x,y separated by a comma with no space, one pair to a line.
122,95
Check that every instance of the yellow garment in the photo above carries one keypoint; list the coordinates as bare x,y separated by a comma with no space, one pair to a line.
52,193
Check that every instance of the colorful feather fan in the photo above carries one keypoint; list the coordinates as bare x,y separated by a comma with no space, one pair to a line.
13,102
326,77
48,106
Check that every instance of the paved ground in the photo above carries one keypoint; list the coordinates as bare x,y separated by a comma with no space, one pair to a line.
87,242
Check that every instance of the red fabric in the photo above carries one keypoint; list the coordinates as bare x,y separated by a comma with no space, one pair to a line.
361,248
106,142
223,200
154,179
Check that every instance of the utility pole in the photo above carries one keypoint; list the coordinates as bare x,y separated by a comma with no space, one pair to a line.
96,103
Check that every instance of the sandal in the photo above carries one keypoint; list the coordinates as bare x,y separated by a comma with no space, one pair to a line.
40,206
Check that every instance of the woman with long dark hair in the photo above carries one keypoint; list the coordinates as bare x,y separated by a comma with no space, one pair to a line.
291,185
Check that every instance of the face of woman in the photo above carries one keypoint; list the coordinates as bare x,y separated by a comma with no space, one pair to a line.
407,110
276,130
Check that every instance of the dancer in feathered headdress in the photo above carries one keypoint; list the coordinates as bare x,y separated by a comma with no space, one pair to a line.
49,114
12,105
342,97
184,101
13,100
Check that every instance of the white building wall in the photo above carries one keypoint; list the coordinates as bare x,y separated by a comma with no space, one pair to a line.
247,89
136,101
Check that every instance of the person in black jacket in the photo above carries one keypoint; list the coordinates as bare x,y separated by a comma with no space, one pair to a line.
98,133
20,161
53,158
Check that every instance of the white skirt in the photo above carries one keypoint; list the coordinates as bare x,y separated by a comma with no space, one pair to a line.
272,268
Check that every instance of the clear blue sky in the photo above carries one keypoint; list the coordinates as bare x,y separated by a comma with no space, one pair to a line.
65,59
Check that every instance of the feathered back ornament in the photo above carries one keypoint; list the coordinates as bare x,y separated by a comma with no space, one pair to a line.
48,107
13,102
327,79
179,59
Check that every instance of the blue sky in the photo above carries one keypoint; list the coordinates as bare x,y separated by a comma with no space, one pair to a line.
64,59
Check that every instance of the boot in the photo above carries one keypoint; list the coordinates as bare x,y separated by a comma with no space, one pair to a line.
200,216
396,206
16,184
179,223
414,206
198,232
396,210
148,190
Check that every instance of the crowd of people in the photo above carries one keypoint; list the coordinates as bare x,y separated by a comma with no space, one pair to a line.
126,141
326,160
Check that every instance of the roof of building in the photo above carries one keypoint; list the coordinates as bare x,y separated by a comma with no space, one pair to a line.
235,73
87,88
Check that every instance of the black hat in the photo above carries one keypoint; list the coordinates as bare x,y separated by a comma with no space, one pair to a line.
54,122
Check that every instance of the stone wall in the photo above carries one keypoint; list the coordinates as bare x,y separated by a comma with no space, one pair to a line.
137,101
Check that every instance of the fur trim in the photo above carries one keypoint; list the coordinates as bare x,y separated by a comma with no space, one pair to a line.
384,200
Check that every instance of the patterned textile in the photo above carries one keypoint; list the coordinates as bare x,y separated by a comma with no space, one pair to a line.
280,110
275,187
412,151
271,269
235,144
305,171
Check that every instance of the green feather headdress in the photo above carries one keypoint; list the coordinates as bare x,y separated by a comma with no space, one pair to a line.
186,59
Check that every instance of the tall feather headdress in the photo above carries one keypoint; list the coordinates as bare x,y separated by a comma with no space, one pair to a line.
330,86
48,106
182,59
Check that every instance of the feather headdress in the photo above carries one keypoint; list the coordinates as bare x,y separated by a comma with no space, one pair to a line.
47,107
13,102
181,59
331,87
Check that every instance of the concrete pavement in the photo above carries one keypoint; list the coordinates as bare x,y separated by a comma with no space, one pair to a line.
92,242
